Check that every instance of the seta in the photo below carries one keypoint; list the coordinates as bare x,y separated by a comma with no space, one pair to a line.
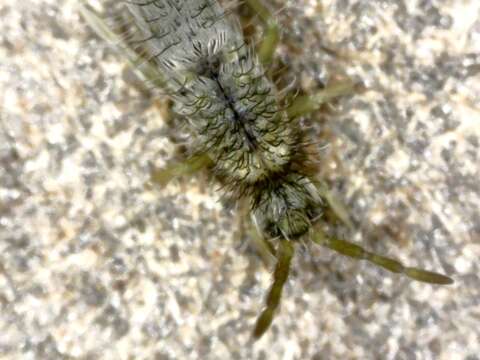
244,130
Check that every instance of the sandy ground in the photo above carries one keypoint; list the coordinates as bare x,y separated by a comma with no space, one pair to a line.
96,263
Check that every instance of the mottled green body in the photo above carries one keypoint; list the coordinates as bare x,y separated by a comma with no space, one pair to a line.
196,51
221,88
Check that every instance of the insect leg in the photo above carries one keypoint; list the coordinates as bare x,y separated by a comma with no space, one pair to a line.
357,252
280,276
144,70
246,226
263,247
272,33
193,164
306,104
335,204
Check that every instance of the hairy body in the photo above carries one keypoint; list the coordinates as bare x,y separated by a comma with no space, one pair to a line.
221,88
196,51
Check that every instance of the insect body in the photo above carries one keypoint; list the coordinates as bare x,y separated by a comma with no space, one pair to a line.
222,90
196,50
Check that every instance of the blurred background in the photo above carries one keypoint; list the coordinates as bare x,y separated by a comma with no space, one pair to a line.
98,263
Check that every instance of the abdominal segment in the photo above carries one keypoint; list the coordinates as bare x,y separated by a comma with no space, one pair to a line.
220,87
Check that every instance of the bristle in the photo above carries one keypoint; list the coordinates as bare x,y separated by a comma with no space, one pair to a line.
243,129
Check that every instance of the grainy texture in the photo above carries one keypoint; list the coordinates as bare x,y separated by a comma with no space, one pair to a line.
95,264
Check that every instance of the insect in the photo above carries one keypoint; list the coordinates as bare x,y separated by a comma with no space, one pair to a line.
244,129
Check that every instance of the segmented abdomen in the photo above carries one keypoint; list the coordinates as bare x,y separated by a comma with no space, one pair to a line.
219,85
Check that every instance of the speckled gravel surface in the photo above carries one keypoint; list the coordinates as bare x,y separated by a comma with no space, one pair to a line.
96,263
